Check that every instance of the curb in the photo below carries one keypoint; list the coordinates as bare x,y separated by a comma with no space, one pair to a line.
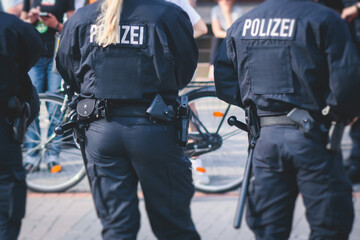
140,195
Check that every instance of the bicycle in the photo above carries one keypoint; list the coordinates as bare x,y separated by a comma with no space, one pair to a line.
223,149
73,171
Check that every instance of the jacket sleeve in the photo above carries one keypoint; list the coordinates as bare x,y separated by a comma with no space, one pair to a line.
182,46
30,50
31,46
344,68
225,73
68,55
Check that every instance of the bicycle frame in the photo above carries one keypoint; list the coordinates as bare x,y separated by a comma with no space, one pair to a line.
206,141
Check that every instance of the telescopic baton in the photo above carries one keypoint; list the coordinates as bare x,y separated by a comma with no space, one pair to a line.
245,185
252,128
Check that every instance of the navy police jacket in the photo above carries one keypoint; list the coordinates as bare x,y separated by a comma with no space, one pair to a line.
155,53
289,53
21,47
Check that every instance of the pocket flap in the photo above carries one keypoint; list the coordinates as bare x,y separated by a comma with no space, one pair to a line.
270,70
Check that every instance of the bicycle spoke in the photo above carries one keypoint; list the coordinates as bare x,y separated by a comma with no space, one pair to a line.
33,150
30,140
73,152
34,130
222,120
52,114
201,124
62,139
231,134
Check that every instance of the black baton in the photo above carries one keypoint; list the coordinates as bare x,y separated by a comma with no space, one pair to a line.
253,130
245,185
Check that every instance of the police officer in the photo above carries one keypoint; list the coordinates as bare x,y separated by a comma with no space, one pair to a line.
351,14
292,59
20,48
122,54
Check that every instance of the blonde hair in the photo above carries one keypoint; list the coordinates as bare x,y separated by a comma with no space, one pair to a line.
108,22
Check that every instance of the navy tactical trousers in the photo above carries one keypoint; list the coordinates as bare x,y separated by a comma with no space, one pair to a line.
287,163
127,150
12,185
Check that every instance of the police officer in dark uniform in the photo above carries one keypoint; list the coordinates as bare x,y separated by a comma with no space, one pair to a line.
123,61
292,59
20,48
352,14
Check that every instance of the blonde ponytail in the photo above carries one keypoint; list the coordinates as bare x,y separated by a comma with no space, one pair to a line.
108,22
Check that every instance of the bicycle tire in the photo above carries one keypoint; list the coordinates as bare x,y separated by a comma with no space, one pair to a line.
70,155
225,165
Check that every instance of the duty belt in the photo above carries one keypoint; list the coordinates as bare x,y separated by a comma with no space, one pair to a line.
276,120
129,110
296,117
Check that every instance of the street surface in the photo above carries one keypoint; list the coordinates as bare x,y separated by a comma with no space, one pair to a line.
71,216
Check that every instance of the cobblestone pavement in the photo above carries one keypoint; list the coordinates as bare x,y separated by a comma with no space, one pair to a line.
71,216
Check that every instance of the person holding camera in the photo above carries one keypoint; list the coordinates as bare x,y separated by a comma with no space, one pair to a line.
47,17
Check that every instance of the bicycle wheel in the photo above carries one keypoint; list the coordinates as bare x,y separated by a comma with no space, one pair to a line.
43,140
221,148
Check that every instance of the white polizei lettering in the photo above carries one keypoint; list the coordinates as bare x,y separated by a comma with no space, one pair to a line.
141,38
291,29
284,27
269,27
127,30
255,27
134,34
247,26
93,31
277,22
119,35
262,25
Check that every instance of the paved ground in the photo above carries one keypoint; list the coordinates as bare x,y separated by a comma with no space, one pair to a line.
71,216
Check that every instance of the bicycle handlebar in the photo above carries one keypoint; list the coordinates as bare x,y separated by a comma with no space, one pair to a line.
232,121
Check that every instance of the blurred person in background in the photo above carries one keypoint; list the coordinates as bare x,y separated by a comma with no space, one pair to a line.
222,17
87,2
42,75
79,4
200,28
25,10
12,6
198,24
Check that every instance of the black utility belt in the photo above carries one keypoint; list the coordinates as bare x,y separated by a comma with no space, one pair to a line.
296,117
94,109
131,110
304,121
276,120
89,110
